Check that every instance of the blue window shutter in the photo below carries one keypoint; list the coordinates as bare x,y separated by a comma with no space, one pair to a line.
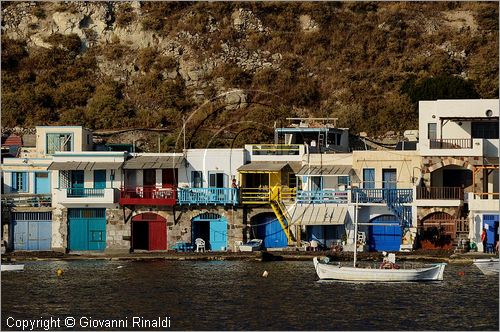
25,182
14,181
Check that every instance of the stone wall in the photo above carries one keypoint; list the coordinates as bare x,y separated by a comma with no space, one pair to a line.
117,231
60,229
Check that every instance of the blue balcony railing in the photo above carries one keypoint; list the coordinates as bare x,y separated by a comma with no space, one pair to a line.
323,196
207,196
85,192
383,195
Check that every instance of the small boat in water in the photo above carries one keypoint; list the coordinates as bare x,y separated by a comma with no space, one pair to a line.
388,271
348,273
489,266
12,267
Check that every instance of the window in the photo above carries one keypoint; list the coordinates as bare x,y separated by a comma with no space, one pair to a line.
197,179
431,130
343,181
485,129
215,180
59,142
88,139
368,178
20,181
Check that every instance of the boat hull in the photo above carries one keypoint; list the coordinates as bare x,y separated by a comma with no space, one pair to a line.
12,267
344,273
488,266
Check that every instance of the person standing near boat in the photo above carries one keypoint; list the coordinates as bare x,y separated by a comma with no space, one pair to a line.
484,238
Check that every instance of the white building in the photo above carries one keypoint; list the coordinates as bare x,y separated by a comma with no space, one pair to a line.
458,193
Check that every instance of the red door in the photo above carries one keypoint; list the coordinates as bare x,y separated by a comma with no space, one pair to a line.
169,177
157,235
149,231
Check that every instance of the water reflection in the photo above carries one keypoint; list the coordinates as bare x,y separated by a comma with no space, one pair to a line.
221,295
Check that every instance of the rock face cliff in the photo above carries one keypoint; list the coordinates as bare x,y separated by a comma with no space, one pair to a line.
231,67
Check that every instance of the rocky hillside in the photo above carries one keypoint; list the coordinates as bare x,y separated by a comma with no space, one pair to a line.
234,69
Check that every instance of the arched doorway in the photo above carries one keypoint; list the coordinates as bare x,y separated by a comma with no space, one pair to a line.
437,231
212,228
386,236
149,232
265,226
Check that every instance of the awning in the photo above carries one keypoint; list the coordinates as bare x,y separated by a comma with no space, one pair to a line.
263,166
317,214
324,170
295,166
153,162
82,165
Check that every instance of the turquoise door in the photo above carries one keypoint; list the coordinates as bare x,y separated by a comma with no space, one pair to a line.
42,183
100,179
87,229
218,234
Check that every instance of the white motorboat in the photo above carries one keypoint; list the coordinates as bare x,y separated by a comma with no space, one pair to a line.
12,267
489,266
348,273
252,245
388,271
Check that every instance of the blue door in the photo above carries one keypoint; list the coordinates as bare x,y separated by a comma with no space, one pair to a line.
389,178
212,228
77,183
218,234
20,230
100,179
270,231
384,237
87,229
491,221
42,183
32,230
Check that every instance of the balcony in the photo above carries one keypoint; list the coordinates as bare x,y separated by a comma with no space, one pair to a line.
323,196
382,195
255,195
207,196
483,202
439,196
276,150
70,196
27,200
440,193
451,143
472,147
148,196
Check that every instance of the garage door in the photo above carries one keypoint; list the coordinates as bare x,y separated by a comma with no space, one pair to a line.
270,231
212,228
32,230
384,237
87,229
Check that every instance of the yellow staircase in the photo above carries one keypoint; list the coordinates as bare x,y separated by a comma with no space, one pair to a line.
276,196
